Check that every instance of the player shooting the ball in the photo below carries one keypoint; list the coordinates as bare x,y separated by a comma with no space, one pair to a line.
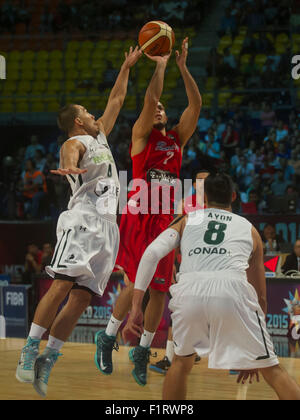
155,153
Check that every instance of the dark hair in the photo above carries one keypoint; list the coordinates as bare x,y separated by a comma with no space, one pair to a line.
66,117
269,225
32,162
218,189
199,171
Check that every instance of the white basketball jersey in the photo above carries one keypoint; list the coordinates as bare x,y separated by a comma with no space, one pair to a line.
220,241
99,187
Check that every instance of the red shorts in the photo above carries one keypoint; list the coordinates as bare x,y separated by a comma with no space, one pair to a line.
137,231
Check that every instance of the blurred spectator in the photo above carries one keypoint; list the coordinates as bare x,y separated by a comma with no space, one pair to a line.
33,147
282,152
230,140
279,185
228,24
229,60
54,147
248,68
245,172
270,11
292,261
269,75
204,122
281,130
212,147
47,19
257,160
11,14
235,161
295,163
211,134
35,189
251,206
271,137
256,19
263,44
267,117
287,169
109,77
267,169
39,160
114,19
33,261
174,10
220,126
271,241
214,62
47,254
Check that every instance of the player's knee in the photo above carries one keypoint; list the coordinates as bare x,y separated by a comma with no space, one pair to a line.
157,294
184,363
80,299
59,289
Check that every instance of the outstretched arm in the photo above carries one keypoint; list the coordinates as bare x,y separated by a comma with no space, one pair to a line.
188,121
118,92
70,156
166,242
144,124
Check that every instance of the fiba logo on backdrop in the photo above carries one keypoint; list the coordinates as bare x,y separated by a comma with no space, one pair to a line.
2,68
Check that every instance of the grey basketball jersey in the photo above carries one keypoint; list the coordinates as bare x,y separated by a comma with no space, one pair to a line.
99,187
220,241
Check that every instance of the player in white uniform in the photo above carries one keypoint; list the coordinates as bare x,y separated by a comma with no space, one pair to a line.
87,233
219,303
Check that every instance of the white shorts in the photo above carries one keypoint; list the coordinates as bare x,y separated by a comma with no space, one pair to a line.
86,249
218,315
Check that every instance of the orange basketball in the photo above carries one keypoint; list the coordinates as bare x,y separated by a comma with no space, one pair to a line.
156,38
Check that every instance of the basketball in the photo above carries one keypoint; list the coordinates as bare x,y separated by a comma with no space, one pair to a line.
156,38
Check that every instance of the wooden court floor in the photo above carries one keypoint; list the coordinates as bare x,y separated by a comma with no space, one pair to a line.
75,377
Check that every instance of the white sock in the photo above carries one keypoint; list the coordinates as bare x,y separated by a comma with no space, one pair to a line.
113,327
54,343
146,339
170,350
36,332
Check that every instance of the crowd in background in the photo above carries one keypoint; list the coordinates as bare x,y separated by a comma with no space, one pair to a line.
255,14
259,148
93,16
255,142
264,20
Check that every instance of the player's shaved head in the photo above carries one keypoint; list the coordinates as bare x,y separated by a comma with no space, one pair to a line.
66,117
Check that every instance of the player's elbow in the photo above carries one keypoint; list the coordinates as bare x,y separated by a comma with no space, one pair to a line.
151,99
151,255
117,101
196,104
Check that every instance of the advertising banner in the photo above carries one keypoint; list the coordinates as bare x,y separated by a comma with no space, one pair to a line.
98,313
283,317
15,310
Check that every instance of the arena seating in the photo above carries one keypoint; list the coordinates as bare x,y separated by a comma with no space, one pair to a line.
43,79
47,69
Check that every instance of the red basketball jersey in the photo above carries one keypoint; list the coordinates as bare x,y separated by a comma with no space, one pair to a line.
159,165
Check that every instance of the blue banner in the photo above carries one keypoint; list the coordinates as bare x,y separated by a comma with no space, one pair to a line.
15,310
4,279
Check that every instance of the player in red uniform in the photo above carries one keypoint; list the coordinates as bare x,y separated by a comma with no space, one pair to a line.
156,156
